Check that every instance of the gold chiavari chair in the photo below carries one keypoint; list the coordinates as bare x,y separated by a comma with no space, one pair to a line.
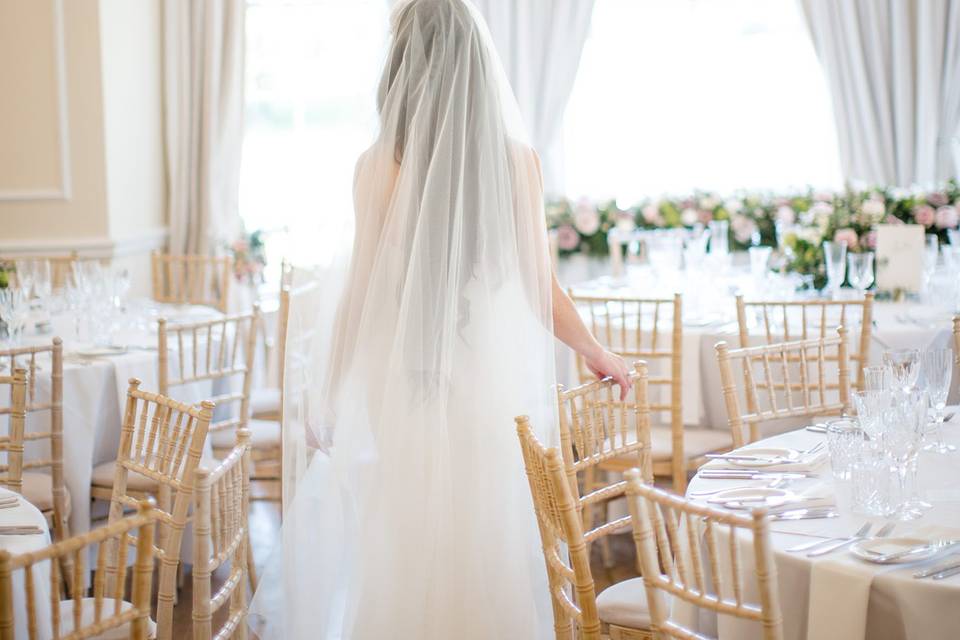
106,614
41,480
12,443
192,279
61,267
667,532
956,341
221,535
790,320
599,432
618,612
633,328
805,378
161,440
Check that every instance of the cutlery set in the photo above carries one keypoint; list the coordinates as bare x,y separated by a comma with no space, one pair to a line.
823,547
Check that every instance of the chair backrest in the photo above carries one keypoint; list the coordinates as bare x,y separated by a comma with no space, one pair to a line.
11,473
107,606
804,378
39,375
668,530
572,590
210,350
192,279
956,341
790,320
596,426
220,535
649,330
161,439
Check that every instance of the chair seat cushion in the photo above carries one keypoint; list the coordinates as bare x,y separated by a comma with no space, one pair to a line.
117,633
696,442
38,489
265,400
103,477
264,434
624,604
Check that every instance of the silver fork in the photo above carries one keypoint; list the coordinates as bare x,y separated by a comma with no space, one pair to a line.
807,546
883,532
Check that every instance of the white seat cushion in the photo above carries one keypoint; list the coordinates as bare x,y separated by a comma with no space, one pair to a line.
625,605
264,434
117,633
265,400
103,477
38,490
696,442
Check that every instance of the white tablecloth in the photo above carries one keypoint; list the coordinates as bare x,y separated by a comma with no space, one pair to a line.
899,607
26,514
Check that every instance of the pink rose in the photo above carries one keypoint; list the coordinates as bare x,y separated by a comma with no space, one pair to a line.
650,213
786,214
567,238
743,228
847,236
706,217
869,240
892,219
586,220
947,217
924,214
938,199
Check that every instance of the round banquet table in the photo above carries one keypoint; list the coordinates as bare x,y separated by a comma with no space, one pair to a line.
837,595
27,514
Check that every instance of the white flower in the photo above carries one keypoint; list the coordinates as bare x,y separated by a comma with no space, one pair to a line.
625,222
743,228
733,205
813,235
786,215
651,214
874,209
709,202
689,217
586,220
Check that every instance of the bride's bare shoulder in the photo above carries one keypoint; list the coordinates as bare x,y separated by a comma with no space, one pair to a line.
525,156
374,158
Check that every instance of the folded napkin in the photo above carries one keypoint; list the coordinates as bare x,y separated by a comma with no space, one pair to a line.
803,464
840,589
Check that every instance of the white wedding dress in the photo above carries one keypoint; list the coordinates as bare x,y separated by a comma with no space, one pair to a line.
417,522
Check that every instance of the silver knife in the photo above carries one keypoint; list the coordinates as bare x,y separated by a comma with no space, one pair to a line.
947,565
946,573
733,474
804,514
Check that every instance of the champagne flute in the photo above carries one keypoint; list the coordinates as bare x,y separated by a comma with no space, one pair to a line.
835,256
937,365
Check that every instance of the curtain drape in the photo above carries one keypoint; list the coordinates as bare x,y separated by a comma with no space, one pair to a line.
893,68
203,44
539,43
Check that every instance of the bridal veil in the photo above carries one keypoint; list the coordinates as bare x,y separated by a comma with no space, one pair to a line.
406,507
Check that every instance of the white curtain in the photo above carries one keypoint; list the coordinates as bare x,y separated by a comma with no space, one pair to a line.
894,71
539,43
203,44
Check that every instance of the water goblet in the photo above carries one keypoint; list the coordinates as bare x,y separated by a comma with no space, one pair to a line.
860,271
904,365
870,405
904,421
835,256
876,378
937,366
844,437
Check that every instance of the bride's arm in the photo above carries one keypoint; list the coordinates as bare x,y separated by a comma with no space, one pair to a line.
569,328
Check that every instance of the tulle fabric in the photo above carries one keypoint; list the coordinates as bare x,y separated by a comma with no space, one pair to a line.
406,507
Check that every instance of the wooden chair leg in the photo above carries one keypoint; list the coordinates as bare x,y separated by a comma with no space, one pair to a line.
251,567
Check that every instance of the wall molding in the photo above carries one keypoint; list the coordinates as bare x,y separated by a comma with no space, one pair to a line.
91,247
65,189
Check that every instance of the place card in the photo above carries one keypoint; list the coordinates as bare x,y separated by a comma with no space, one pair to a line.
899,257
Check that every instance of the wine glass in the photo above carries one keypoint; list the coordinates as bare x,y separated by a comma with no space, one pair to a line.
904,421
24,270
860,271
931,254
904,366
876,378
835,256
937,366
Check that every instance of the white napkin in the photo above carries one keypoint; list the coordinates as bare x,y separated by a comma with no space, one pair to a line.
840,589
804,464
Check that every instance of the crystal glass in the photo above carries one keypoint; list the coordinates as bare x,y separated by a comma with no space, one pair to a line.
860,271
931,255
872,480
835,256
904,422
953,235
904,365
876,378
870,405
937,367
759,261
14,311
24,270
844,438
719,237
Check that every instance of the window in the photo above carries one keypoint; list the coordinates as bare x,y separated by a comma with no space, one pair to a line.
312,70
677,95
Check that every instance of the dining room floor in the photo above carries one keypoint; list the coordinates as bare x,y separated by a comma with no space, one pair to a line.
265,530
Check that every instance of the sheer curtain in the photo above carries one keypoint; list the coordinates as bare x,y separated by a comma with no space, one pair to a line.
894,72
203,48
539,43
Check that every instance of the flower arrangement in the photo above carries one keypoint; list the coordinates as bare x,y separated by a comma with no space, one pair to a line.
249,257
804,220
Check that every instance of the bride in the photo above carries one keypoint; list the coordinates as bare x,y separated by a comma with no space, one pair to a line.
416,523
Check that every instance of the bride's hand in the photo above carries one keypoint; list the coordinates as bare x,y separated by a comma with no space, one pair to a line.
603,364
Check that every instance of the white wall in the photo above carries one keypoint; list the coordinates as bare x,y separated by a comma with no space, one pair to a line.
81,155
